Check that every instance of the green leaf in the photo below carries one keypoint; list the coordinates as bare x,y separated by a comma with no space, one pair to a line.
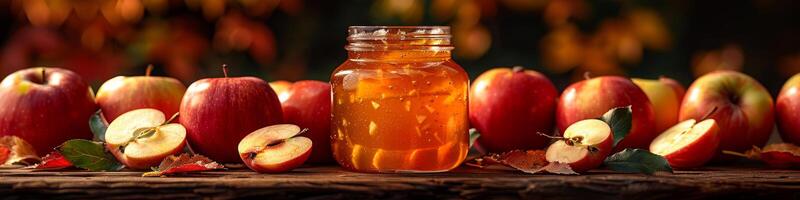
637,161
89,155
473,135
98,125
620,120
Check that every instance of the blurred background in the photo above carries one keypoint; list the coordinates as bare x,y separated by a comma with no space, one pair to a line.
304,39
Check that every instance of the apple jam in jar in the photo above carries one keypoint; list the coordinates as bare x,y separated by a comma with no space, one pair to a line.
399,101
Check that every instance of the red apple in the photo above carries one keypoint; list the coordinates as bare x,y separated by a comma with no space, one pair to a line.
219,112
593,97
688,144
122,94
509,106
308,105
275,149
788,110
46,107
142,138
666,95
744,108
281,88
585,145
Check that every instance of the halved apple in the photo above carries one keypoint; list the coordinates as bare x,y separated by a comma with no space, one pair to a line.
275,149
688,144
142,138
585,145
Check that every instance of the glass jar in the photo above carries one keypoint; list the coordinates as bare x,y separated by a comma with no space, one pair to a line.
399,101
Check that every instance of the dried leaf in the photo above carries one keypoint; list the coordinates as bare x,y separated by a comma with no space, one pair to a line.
780,156
531,161
17,151
183,164
52,161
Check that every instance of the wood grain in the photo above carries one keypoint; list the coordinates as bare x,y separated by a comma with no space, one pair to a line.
331,182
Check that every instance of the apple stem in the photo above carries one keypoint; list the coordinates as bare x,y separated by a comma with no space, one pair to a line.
713,110
225,70
171,118
735,153
550,136
302,131
148,70
587,75
44,75
516,69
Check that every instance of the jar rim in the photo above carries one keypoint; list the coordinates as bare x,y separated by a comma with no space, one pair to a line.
356,33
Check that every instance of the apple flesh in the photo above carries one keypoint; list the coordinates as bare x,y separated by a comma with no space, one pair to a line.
308,104
142,138
587,143
688,144
275,149
219,112
509,106
122,94
46,107
788,110
744,109
666,95
589,99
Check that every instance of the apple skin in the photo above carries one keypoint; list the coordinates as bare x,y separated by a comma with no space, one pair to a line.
594,97
46,115
278,168
281,88
592,160
697,153
122,94
219,112
666,95
308,105
787,110
745,122
144,163
509,106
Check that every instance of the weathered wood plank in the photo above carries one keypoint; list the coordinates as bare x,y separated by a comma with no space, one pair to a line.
469,183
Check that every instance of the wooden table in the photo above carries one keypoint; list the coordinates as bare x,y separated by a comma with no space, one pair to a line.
470,183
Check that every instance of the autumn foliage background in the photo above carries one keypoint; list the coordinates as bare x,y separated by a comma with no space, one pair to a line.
304,39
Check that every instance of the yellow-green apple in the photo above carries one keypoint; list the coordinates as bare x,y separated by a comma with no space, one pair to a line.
585,145
281,88
219,112
787,109
308,104
46,107
142,138
744,108
122,94
509,106
688,144
666,95
275,149
592,98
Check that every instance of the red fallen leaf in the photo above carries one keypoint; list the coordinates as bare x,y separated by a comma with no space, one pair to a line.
52,161
18,151
530,161
780,155
4,154
183,164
